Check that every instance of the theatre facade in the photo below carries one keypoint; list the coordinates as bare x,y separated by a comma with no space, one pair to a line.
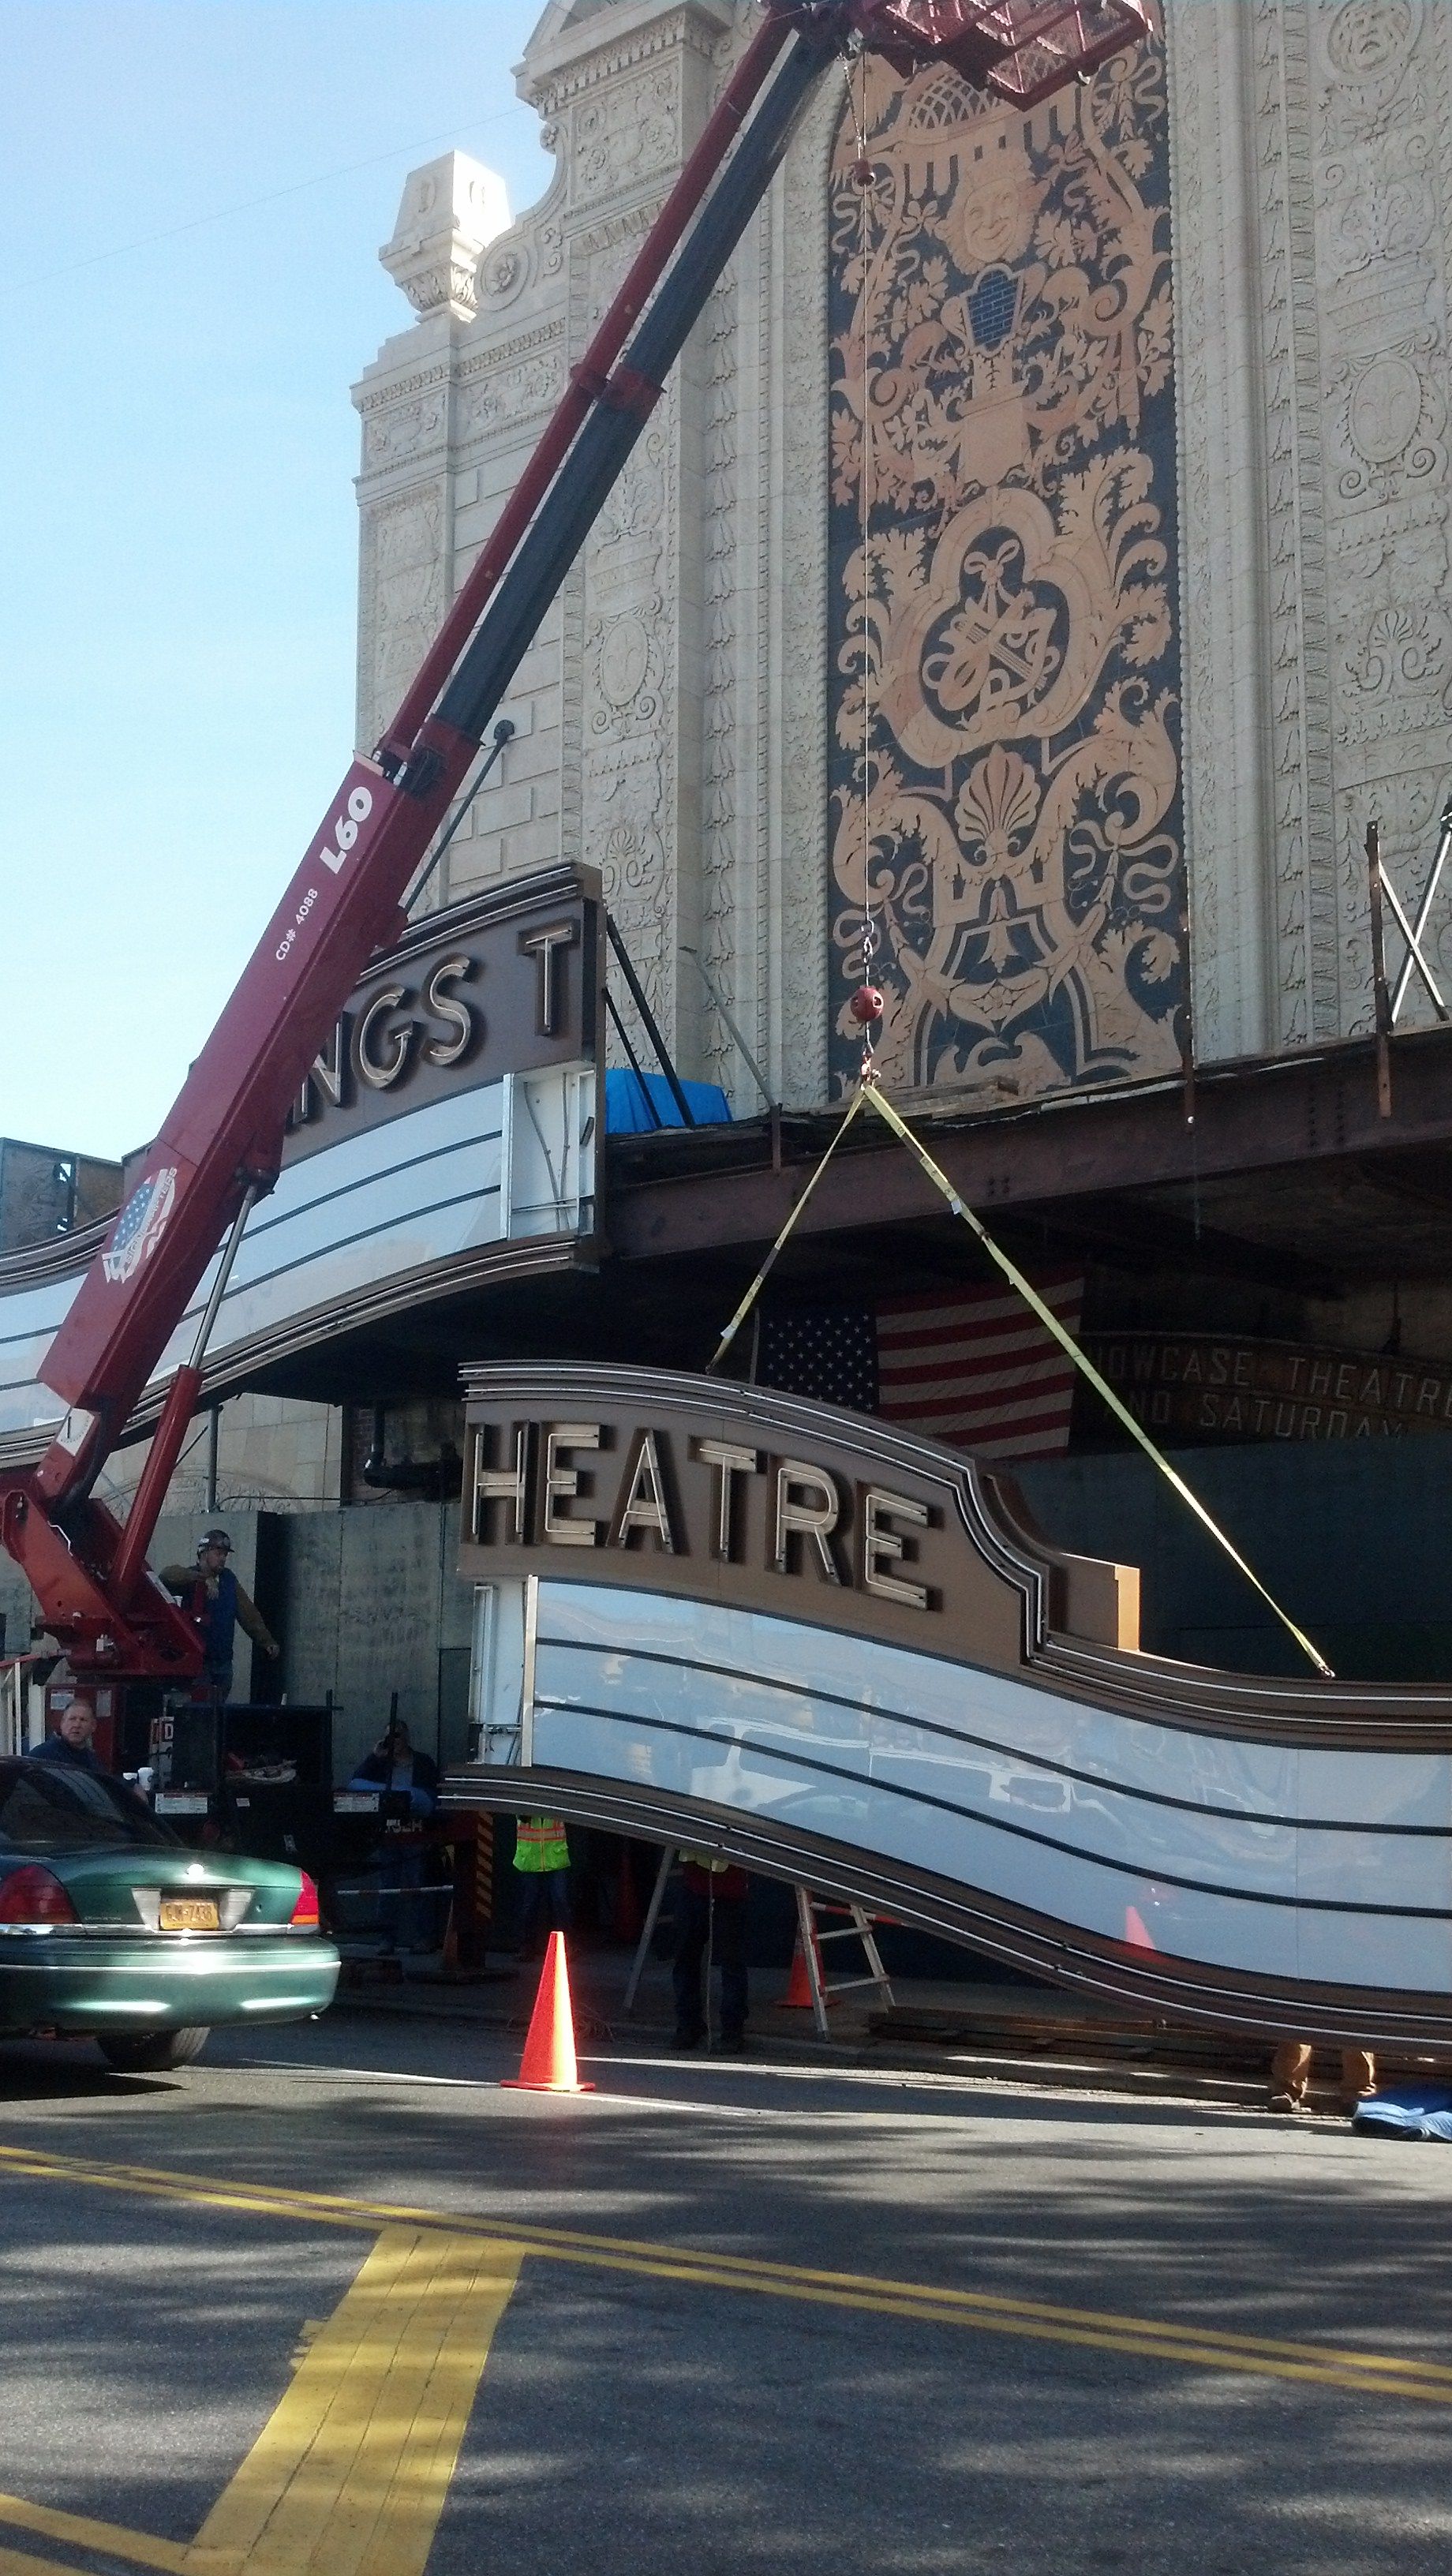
1033,583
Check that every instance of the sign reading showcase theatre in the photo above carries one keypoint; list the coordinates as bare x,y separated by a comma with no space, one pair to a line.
446,1133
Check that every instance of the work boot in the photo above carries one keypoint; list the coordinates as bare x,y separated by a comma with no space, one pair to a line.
684,2039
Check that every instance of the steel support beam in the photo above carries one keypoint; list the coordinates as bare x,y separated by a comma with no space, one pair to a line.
1251,1117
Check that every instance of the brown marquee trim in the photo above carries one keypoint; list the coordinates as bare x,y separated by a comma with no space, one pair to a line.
968,1487
236,1367
1181,1991
1269,1709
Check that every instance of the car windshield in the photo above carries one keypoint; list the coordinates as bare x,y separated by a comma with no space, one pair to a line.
43,1808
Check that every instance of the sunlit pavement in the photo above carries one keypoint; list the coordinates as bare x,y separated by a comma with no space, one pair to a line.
333,2300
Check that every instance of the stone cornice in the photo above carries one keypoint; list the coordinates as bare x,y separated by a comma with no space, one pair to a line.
402,388
464,371
503,353
687,29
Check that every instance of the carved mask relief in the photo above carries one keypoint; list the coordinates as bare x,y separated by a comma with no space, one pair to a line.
1004,652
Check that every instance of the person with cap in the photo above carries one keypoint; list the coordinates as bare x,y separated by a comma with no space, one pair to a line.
216,1603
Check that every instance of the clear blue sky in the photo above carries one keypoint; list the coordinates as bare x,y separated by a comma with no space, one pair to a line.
177,446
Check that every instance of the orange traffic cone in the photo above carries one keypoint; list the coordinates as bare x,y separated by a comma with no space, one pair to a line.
799,1985
548,2064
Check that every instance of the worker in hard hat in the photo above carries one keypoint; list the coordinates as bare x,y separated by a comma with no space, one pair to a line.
215,1602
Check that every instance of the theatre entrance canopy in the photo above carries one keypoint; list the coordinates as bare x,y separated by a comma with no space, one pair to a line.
712,1614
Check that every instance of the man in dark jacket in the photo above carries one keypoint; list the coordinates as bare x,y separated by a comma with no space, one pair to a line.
70,1748
394,1765
710,1920
399,1771
214,1600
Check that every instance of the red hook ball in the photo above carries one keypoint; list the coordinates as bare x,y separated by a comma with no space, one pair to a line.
866,1005
864,172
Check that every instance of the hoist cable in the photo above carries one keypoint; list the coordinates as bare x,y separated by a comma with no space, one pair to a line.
1087,1369
870,1092
759,1282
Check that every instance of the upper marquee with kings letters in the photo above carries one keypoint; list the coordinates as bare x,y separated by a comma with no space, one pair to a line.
447,1135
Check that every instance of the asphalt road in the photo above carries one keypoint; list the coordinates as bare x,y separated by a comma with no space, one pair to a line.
709,2318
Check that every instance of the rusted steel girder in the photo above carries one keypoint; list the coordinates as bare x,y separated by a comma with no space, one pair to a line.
1314,1107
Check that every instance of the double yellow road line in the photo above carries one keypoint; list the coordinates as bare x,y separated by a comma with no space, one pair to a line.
351,2473
1330,2365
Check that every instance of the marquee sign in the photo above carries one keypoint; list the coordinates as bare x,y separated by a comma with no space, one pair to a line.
1202,1387
508,984
710,1614
446,1133
740,1494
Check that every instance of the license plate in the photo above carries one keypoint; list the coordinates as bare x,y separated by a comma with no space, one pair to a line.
189,1914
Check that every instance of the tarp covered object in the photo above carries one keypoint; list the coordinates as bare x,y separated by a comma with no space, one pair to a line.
1407,2111
627,1113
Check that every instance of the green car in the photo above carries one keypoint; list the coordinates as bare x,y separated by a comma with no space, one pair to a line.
111,1928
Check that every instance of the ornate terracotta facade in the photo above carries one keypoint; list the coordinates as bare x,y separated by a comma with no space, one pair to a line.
1202,362
1004,636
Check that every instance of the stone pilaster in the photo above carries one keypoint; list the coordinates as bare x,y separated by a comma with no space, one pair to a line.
1313,221
1229,811
671,714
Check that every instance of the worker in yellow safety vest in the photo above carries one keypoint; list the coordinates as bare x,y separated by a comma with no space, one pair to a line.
542,1856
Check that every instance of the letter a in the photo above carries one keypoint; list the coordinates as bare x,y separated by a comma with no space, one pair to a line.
642,1503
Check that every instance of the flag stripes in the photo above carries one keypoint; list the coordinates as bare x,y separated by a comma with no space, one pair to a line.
979,1370
973,1367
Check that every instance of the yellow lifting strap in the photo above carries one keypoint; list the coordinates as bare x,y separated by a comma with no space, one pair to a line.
1051,1324
759,1282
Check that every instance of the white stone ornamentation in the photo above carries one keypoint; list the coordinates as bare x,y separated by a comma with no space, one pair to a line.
450,211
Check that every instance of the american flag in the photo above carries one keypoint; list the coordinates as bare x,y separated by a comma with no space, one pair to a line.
138,1228
979,1370
826,1352
973,1366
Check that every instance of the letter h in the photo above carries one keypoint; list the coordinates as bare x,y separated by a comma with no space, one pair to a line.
509,1485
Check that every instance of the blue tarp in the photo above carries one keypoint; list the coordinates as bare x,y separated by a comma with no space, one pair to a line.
626,1112
1407,2111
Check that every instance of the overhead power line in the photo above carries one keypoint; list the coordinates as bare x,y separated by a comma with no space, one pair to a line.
250,205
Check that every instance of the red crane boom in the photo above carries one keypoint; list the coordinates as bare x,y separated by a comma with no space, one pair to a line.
220,1144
